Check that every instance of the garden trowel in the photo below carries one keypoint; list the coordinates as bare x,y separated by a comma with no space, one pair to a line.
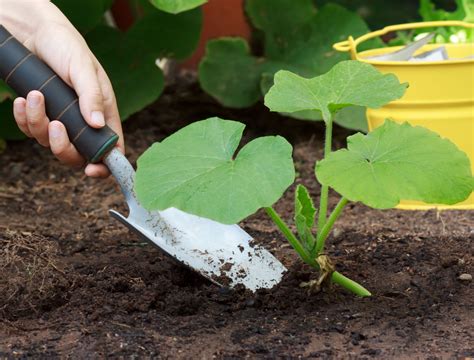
405,53
225,254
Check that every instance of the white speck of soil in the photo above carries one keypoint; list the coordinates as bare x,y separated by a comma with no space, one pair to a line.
465,277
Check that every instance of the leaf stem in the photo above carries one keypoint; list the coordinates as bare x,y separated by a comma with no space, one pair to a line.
299,248
323,234
323,201
336,277
349,284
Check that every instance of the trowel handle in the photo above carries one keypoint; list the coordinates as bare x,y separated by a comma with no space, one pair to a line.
24,72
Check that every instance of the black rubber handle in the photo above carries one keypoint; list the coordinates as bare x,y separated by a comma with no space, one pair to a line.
24,72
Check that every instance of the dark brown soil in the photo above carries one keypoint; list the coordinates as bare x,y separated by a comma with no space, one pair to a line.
115,296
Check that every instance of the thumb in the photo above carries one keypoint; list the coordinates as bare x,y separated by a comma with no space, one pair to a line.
85,81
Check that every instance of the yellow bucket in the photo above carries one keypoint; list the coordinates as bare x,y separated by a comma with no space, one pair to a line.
440,96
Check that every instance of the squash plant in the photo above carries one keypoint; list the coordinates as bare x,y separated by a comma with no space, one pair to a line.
197,171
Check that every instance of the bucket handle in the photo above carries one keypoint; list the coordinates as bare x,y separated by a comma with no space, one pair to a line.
350,45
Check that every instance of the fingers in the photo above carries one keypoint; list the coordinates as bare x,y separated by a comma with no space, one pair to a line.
74,63
97,170
36,118
67,154
65,151
61,147
32,120
84,79
78,67
30,115
19,112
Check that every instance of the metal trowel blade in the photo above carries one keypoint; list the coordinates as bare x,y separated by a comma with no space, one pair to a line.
438,54
405,53
225,254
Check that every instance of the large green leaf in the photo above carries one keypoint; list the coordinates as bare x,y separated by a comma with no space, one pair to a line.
195,170
136,79
177,6
231,58
296,38
398,162
84,14
348,83
305,213
167,35
129,58
351,117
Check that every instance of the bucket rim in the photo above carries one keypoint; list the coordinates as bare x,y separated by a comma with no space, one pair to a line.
351,44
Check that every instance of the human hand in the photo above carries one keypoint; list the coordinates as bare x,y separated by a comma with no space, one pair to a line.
52,38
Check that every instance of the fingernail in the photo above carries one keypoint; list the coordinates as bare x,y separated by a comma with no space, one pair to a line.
33,100
55,132
97,117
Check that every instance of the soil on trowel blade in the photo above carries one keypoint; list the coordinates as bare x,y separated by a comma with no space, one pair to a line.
99,291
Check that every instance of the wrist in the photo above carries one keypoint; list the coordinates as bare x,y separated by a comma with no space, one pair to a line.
23,17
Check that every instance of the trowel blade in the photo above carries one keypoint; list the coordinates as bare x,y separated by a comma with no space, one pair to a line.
438,54
405,53
225,254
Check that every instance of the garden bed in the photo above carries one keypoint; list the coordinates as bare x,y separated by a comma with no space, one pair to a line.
97,290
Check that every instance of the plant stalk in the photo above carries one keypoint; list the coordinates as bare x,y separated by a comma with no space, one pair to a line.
323,200
294,242
336,277
349,284
323,234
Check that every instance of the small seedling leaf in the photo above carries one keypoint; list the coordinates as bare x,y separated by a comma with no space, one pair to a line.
398,162
305,213
347,83
195,170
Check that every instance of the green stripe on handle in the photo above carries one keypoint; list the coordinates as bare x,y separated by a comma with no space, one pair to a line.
24,72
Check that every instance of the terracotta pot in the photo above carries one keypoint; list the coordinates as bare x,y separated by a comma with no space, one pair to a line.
220,18
122,13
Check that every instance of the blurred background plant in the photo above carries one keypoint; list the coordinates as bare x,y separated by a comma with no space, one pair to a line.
129,37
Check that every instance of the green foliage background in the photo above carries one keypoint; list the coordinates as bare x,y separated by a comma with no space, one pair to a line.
170,29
